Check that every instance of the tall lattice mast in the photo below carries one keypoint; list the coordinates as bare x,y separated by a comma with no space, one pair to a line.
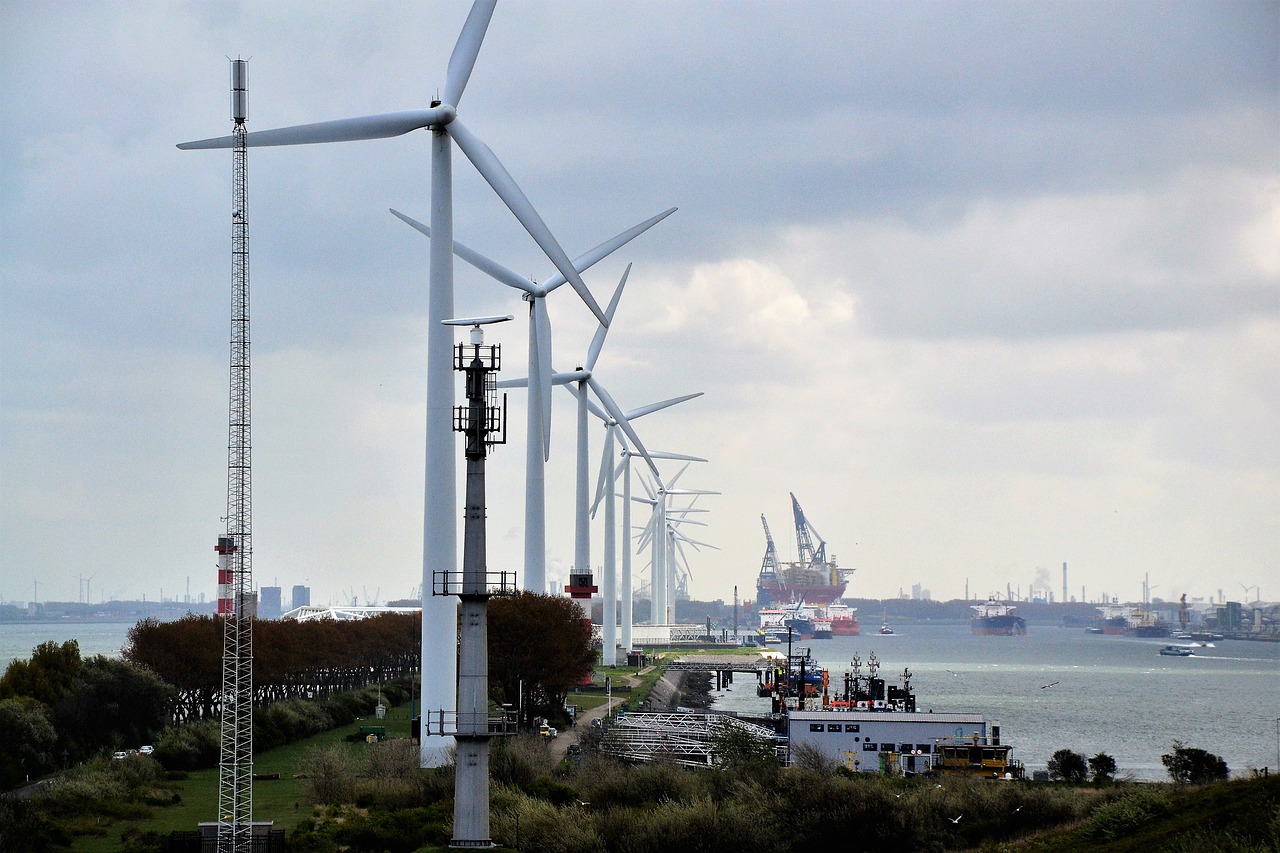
235,549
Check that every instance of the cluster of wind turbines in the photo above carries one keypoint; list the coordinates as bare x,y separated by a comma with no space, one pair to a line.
440,499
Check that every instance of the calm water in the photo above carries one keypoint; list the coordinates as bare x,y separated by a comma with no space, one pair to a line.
1113,694
95,638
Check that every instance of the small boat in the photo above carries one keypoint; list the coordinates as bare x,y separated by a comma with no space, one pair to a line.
1176,651
1092,629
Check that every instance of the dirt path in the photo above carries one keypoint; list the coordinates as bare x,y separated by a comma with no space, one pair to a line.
560,745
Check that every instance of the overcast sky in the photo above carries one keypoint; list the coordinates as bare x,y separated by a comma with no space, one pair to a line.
990,286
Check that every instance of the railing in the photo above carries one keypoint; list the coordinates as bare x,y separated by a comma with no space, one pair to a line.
467,724
491,583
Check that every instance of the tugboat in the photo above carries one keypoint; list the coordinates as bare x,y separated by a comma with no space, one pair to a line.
884,624
996,618
1176,651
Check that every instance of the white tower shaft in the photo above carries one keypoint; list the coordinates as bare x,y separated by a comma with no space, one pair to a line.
440,497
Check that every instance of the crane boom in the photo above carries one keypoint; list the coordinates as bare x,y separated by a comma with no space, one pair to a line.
770,563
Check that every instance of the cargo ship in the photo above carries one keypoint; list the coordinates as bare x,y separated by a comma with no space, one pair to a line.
844,619
996,618
813,578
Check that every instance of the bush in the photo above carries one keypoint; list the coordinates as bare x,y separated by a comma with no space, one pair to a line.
1068,766
1115,820
1103,767
190,747
330,774
1187,765
23,829
519,820
519,760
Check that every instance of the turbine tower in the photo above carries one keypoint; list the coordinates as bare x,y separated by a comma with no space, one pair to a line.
540,378
235,548
440,499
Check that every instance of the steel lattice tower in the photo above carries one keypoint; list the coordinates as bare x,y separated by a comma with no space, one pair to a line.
235,549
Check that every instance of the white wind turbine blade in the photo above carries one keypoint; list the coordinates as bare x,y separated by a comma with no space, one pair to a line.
492,170
379,126
463,58
612,408
541,329
649,490
597,341
489,267
694,542
677,477
602,476
591,257
690,492
657,407
684,457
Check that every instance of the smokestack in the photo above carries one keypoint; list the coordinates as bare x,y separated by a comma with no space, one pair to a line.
1064,583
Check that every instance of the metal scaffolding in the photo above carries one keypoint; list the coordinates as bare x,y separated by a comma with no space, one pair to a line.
688,739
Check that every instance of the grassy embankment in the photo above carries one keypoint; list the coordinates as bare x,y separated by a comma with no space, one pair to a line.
283,800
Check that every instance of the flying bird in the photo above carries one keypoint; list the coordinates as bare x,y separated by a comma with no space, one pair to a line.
955,819
1050,684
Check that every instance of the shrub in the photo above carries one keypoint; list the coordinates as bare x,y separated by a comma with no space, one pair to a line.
23,829
1187,765
519,820
1103,767
519,760
190,747
1068,766
330,774
1117,819
811,757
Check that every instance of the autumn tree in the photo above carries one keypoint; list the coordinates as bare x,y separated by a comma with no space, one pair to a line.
542,642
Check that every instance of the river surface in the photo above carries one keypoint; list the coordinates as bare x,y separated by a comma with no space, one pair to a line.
17,640
1112,694
1109,694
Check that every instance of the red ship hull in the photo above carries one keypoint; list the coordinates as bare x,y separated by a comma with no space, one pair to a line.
845,627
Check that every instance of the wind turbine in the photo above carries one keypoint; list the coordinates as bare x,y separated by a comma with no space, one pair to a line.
538,423
627,592
662,579
606,489
440,510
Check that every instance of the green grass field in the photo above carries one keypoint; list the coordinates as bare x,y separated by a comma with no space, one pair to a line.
282,800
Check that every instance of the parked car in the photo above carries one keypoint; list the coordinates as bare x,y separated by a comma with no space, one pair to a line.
119,756
146,750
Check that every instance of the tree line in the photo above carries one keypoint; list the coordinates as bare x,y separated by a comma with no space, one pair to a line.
57,709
